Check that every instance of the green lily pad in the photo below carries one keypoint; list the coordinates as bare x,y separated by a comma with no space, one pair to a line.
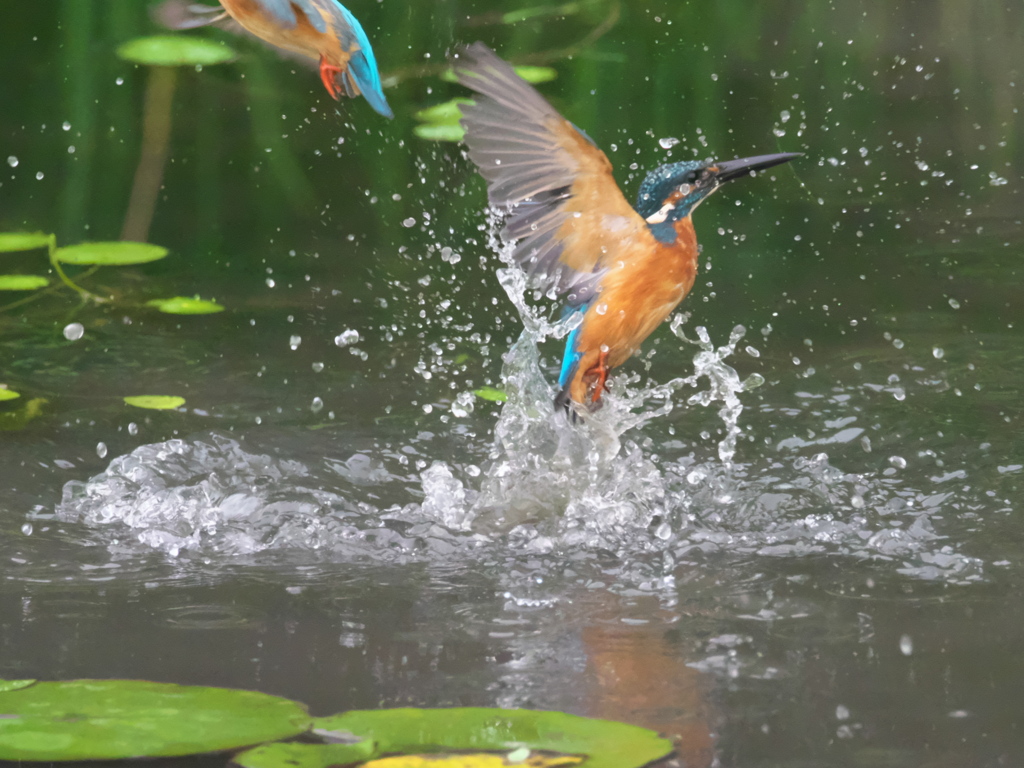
110,254
529,73
295,755
156,402
8,394
492,394
435,132
15,685
23,241
183,305
446,113
607,744
117,719
175,51
22,282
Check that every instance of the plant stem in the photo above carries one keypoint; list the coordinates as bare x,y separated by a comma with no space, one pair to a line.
156,139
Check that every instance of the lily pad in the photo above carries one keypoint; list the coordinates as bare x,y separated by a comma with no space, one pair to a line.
117,719
156,402
492,394
439,132
8,394
606,744
478,760
110,254
23,241
15,685
183,305
175,51
22,282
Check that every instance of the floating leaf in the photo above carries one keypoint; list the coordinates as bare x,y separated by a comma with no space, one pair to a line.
446,113
110,254
23,241
8,394
22,282
492,394
183,305
175,51
606,744
117,719
297,755
432,132
156,402
528,73
15,685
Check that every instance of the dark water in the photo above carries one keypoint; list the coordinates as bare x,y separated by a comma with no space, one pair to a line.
821,570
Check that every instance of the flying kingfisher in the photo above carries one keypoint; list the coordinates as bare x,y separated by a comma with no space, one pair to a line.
622,268
324,30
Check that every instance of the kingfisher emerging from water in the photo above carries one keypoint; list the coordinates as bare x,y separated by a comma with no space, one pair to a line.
324,30
621,268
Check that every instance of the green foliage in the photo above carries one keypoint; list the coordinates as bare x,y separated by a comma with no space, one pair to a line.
14,685
8,394
22,282
156,402
109,254
492,394
175,51
118,719
530,74
293,755
183,305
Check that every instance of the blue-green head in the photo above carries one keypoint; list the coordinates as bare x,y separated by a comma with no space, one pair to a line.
671,192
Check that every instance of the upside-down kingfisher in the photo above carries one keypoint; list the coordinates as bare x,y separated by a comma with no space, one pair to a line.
622,268
319,29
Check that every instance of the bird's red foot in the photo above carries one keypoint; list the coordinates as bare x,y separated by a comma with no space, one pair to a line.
329,74
600,373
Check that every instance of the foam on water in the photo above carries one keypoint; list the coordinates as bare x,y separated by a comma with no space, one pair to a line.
549,487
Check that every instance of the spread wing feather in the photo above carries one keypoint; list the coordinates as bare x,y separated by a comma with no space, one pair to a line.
566,212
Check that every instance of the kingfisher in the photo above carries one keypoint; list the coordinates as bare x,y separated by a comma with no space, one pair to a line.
620,269
324,30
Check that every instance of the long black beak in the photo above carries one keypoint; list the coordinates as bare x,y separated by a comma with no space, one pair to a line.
735,169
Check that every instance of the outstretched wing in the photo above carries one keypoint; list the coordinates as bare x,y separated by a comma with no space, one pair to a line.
284,14
566,211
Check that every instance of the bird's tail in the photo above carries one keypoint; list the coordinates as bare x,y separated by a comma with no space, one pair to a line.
362,70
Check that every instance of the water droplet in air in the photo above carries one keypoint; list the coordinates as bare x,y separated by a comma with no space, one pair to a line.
74,331
101,450
27,529
668,142
294,342
133,428
317,367
898,343
346,337
898,461
12,161
270,282
463,405
938,353
317,405
906,645
954,304
410,222
40,175
66,126
842,713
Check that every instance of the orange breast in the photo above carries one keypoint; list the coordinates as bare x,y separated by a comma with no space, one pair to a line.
637,295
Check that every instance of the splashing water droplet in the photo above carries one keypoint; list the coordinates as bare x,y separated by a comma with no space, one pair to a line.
954,304
101,450
74,331
906,645
938,353
294,342
27,529
12,161
346,337
668,142
317,367
317,405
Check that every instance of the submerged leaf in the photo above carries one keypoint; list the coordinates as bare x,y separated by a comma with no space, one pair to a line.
156,402
12,421
296,755
22,282
606,744
492,394
110,254
117,719
183,305
175,51
23,241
